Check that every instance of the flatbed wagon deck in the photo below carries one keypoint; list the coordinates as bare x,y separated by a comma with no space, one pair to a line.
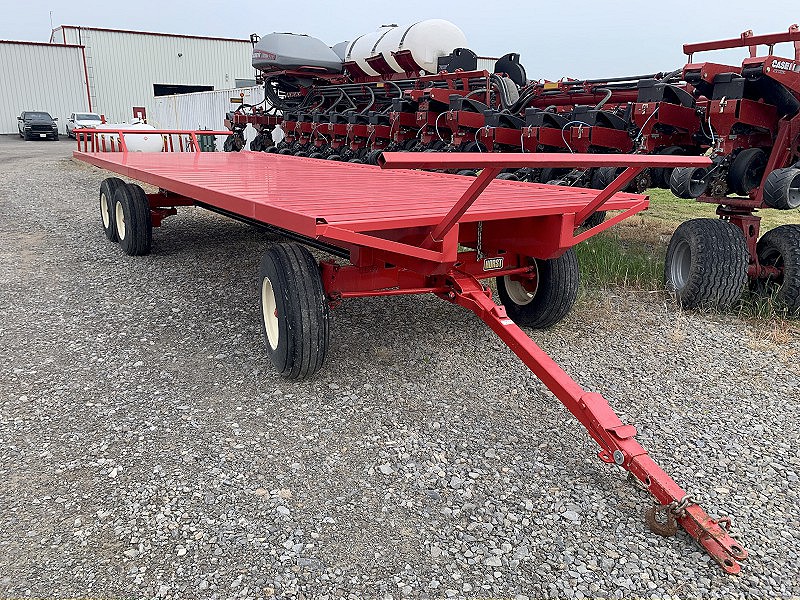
306,194
409,232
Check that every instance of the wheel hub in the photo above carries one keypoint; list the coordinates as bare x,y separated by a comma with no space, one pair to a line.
269,311
104,214
681,265
119,217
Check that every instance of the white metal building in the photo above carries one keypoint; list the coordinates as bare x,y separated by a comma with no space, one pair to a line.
202,110
39,76
127,69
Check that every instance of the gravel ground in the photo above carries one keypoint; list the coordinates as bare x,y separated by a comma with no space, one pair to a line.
148,450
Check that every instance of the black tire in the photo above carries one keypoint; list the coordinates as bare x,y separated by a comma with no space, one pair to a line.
507,177
294,309
603,176
782,189
660,177
357,161
108,188
555,291
689,182
132,220
333,157
271,150
780,247
594,219
316,155
706,264
467,173
227,146
551,173
285,152
747,171
256,144
373,157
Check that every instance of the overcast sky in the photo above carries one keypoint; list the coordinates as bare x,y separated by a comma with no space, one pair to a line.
569,38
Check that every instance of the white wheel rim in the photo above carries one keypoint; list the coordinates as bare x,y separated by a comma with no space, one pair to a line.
119,217
518,293
104,211
269,310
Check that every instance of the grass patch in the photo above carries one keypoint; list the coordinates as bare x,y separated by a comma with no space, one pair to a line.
631,254
608,260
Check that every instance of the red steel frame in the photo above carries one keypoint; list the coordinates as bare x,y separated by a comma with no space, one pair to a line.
391,255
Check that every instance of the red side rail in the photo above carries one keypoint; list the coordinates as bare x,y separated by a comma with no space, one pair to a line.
113,140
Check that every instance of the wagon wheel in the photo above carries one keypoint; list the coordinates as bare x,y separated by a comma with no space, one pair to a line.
780,248
132,220
544,298
689,182
294,310
747,170
108,188
782,189
706,264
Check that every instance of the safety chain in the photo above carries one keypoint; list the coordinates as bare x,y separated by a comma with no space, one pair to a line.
678,507
479,244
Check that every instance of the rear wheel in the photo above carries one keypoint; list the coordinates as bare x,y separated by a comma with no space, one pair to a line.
689,182
747,171
780,248
706,264
108,188
544,299
782,189
132,220
294,309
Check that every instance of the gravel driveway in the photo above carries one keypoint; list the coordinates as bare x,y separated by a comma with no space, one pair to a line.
148,450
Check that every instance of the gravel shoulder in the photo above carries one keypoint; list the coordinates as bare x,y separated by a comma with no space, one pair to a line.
148,450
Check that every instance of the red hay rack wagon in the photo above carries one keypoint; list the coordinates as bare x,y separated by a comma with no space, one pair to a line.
394,230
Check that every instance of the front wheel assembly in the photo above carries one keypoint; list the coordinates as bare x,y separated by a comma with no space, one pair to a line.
546,296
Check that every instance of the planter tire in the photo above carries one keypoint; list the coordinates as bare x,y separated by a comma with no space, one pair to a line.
706,264
780,247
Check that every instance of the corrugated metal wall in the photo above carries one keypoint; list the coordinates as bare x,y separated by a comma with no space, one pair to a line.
202,110
40,77
486,64
123,66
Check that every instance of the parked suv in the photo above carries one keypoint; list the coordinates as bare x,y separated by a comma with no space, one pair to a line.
37,124
78,120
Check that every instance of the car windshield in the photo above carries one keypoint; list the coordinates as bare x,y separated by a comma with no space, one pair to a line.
87,117
38,116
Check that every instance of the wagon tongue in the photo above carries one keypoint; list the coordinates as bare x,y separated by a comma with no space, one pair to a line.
617,440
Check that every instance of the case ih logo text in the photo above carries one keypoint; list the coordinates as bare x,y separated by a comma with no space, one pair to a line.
265,55
786,65
492,264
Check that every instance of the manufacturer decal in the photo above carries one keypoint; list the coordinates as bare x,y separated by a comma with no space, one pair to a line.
492,264
264,54
786,65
